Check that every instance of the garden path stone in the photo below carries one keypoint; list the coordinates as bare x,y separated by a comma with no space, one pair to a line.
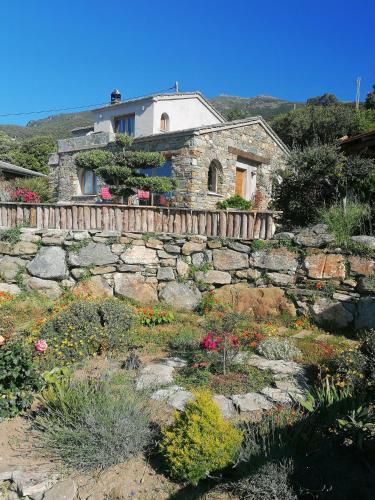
295,386
153,375
176,362
276,366
226,406
276,395
34,483
63,490
251,402
175,396
49,263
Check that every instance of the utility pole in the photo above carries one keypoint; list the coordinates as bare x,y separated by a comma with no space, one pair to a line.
357,92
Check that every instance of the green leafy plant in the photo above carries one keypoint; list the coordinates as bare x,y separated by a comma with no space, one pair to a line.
38,185
359,427
19,378
151,316
184,341
78,245
11,235
199,441
235,201
93,424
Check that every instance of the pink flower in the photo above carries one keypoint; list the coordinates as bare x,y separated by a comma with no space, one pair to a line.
40,346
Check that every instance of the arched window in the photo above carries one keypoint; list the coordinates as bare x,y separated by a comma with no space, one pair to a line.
214,176
164,122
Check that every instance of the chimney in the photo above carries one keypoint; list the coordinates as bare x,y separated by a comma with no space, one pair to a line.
115,96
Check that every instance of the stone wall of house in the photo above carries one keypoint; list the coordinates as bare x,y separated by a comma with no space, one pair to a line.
191,153
292,273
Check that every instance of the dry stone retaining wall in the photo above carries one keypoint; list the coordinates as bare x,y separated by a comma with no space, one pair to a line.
292,273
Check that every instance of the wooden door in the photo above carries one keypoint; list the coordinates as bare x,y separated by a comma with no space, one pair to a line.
240,182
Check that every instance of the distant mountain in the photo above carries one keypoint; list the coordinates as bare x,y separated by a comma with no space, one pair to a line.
263,105
60,126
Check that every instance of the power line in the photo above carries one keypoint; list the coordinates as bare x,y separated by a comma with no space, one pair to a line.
56,110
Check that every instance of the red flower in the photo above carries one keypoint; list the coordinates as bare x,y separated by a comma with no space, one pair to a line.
258,336
253,345
318,285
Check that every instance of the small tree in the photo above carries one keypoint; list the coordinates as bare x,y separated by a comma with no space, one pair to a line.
122,170
370,99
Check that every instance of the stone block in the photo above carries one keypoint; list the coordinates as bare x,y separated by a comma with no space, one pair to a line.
251,402
93,254
172,249
229,260
10,267
165,274
331,313
325,266
49,263
133,286
47,287
214,277
277,259
140,255
361,266
180,295
192,247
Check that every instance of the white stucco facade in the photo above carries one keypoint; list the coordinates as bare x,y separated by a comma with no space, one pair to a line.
183,111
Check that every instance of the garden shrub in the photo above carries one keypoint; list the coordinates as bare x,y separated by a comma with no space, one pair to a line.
18,378
199,441
270,482
92,424
87,327
274,348
345,220
184,341
39,185
235,201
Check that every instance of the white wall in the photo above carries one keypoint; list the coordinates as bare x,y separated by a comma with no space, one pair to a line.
184,112
143,110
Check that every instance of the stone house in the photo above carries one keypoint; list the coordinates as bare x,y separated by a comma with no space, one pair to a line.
211,159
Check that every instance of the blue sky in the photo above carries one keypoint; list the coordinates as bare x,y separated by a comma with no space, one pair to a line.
64,53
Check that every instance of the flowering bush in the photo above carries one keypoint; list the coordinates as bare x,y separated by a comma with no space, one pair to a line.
208,303
153,316
199,441
82,328
25,196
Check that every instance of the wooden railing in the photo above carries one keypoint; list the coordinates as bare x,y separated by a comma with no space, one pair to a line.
229,224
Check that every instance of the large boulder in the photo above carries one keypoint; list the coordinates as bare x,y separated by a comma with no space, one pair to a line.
47,287
93,254
180,295
10,267
277,259
325,266
365,317
139,255
135,287
49,263
95,287
330,313
229,260
261,302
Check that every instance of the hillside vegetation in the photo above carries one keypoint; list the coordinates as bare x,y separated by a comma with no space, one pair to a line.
60,126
